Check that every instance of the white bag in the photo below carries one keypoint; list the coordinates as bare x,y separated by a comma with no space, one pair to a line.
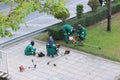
71,38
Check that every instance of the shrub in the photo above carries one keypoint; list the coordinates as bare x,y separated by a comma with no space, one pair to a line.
115,8
79,10
93,4
56,32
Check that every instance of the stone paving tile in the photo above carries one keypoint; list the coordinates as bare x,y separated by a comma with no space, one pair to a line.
75,66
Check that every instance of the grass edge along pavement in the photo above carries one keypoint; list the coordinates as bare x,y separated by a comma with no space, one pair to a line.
98,36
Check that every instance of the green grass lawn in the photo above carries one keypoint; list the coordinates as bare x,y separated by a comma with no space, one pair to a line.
108,41
98,36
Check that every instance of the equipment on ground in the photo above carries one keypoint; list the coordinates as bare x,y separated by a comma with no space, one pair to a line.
58,45
71,38
41,54
21,68
74,41
67,51
81,43
92,46
34,65
89,45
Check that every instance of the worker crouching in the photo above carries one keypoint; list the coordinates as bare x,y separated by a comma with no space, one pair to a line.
30,50
51,47
81,32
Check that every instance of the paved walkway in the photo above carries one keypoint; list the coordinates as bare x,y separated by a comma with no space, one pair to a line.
75,66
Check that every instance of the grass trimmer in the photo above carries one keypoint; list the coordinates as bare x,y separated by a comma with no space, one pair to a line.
89,45
85,44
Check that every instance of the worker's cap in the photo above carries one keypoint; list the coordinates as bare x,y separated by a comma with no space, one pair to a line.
32,43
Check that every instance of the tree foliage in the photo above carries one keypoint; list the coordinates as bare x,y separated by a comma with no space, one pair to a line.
62,14
93,4
11,20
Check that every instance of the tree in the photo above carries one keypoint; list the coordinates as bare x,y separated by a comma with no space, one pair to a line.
17,15
109,15
108,3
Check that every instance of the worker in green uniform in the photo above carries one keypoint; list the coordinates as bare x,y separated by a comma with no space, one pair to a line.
81,32
67,30
30,50
51,47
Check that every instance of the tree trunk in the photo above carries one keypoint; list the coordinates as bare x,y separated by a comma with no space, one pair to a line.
64,20
109,15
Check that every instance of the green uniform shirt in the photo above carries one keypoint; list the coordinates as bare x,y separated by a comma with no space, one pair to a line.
81,33
51,50
29,50
67,29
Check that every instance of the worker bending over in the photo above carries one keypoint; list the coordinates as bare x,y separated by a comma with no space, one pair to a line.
67,30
